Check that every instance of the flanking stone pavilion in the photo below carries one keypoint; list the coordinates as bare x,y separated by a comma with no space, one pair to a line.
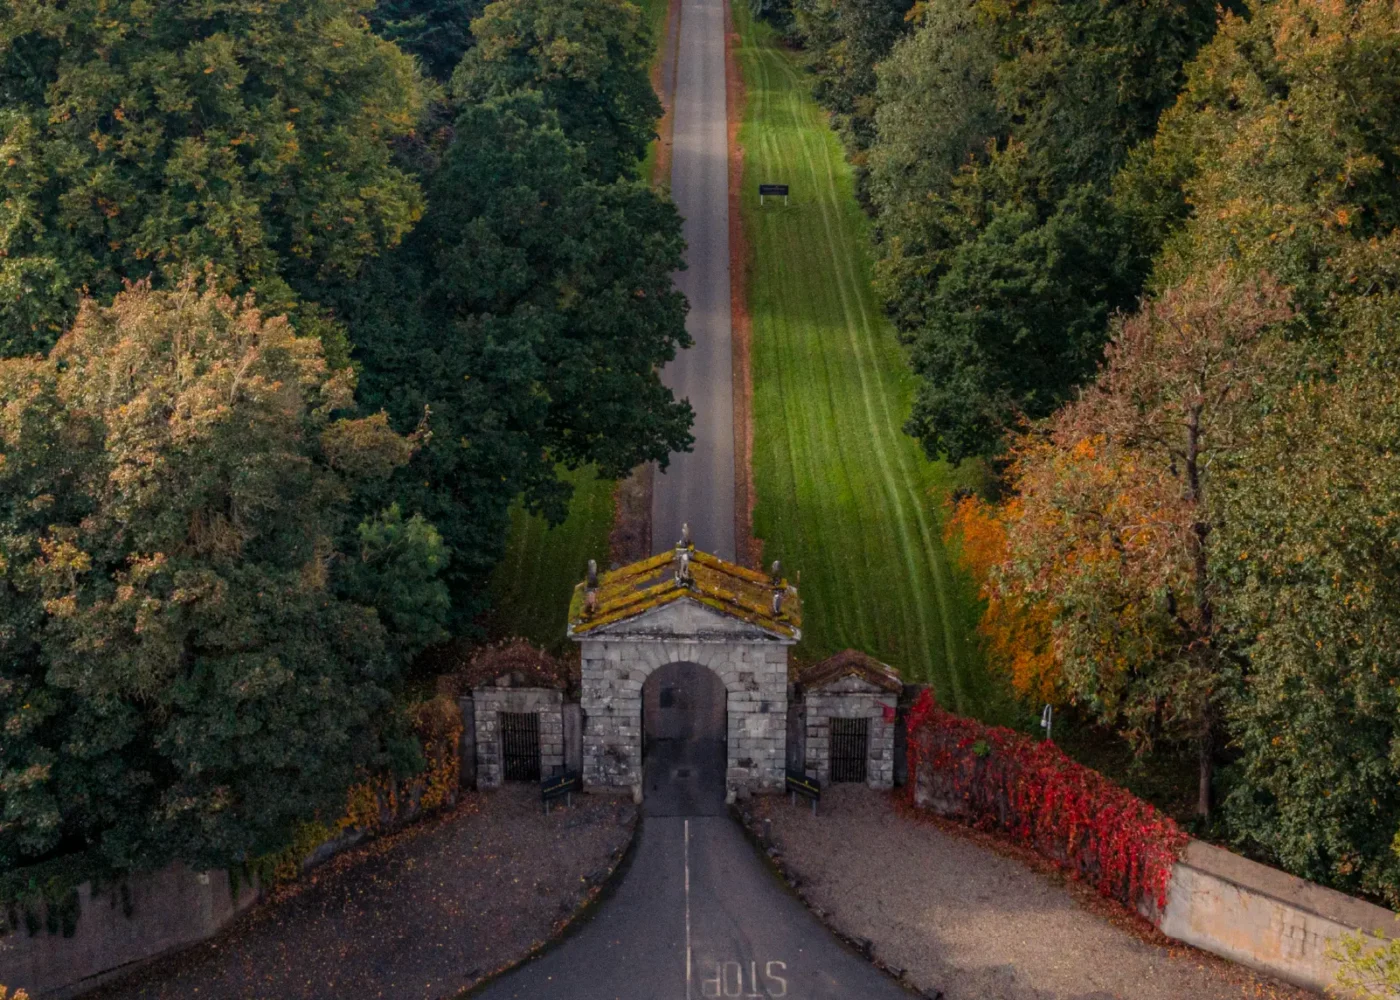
854,692
685,606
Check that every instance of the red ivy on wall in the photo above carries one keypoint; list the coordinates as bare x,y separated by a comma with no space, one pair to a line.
998,779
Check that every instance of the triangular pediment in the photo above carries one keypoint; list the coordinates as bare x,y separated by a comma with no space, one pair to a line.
686,619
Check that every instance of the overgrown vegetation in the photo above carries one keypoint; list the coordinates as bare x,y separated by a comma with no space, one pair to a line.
392,274
1191,538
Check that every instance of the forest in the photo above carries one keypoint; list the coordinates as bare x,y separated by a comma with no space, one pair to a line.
296,299
1145,260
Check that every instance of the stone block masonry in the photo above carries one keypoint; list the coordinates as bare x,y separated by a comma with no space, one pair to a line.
489,702
851,698
752,664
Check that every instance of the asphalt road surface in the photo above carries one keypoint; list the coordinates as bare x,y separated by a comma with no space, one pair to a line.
698,487
697,915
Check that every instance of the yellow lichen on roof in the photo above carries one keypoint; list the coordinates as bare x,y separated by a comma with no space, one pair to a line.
728,588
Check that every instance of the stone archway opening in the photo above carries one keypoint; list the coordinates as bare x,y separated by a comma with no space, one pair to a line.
685,728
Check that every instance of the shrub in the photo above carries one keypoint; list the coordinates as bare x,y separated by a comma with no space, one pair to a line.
997,779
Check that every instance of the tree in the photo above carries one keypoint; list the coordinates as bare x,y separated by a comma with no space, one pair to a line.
588,59
529,315
140,139
438,32
1114,511
180,676
847,39
999,129
1312,548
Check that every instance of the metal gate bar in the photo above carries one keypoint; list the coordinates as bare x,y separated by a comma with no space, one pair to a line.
850,747
520,745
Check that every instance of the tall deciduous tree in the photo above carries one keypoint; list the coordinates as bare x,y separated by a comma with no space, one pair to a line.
587,58
1114,512
999,130
180,676
137,139
529,315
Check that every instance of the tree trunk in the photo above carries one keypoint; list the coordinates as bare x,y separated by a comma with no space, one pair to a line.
1206,762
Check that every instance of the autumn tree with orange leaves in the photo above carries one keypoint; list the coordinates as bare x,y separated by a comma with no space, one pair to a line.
1098,580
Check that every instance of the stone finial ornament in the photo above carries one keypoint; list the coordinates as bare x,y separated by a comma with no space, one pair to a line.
685,541
590,603
777,602
775,572
592,574
683,567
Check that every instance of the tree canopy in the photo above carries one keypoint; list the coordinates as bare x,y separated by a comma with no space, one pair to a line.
141,139
587,59
183,677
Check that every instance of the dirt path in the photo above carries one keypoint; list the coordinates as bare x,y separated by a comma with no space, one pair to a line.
420,915
977,925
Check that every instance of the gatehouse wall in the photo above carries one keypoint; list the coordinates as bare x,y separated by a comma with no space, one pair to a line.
752,665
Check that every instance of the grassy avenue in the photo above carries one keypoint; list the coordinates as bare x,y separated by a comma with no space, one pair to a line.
843,494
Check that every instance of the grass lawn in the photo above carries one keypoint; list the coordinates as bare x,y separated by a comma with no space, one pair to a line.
843,494
531,587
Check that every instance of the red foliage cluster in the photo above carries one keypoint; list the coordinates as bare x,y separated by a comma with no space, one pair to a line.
998,779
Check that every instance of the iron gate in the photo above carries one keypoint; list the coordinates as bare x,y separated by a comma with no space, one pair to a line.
520,745
850,746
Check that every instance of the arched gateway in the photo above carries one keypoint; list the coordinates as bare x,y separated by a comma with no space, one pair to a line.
685,607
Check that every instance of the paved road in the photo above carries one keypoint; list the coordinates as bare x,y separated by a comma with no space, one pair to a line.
698,487
696,915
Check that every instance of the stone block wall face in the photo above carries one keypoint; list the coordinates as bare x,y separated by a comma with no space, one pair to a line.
755,679
851,699
488,704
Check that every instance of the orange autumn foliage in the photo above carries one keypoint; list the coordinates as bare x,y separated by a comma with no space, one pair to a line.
1016,633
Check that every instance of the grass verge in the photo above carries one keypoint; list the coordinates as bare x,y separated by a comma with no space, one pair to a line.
531,587
842,493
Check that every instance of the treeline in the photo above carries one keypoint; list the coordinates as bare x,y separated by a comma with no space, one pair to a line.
1147,257
296,298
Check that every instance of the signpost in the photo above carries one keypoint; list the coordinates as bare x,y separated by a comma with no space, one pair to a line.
553,788
799,784
775,190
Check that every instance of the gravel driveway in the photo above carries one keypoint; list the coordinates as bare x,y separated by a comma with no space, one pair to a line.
976,924
422,914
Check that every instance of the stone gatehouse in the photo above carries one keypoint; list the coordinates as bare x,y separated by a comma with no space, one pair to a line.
685,607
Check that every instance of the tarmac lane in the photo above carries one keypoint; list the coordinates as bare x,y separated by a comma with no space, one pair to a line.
696,915
698,486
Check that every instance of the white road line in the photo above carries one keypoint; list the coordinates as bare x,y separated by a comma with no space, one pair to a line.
687,910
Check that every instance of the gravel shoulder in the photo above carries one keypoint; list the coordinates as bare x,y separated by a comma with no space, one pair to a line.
425,913
959,917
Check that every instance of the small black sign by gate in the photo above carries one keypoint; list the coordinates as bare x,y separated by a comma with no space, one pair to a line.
850,748
520,745
799,784
561,785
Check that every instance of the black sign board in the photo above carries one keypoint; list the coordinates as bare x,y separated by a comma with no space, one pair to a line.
803,785
777,190
553,788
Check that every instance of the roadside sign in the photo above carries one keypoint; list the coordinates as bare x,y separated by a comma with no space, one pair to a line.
776,190
799,784
560,785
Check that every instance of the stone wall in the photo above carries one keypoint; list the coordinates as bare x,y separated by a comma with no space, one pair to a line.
169,910
1262,917
752,665
851,698
489,702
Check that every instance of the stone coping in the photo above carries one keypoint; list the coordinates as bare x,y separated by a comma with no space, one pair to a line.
1290,890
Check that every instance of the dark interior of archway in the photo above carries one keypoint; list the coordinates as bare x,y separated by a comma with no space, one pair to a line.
684,731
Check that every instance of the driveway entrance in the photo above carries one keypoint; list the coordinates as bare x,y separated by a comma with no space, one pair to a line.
684,713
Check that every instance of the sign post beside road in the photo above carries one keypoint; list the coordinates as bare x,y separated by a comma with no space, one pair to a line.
775,190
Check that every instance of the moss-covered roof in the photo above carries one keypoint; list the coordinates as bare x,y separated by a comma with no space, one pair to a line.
851,663
726,587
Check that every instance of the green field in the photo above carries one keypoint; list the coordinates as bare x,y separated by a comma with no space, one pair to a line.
843,494
531,587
